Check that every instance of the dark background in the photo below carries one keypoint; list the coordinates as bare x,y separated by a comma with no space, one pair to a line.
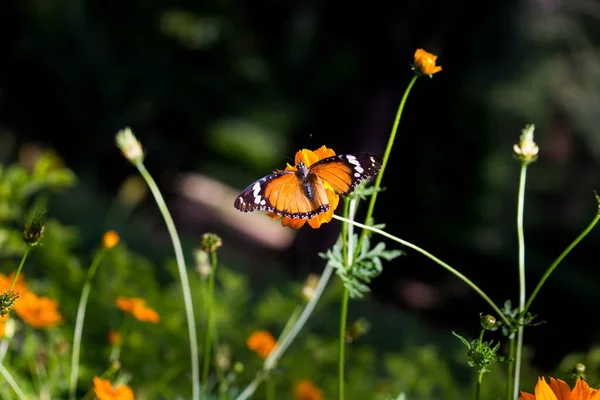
212,87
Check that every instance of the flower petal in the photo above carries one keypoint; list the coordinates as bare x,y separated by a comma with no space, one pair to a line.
583,391
561,389
526,396
543,391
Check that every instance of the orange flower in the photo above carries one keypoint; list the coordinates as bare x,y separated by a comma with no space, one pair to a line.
262,343
114,337
110,240
309,157
5,282
3,326
39,312
307,390
559,390
105,391
425,63
137,307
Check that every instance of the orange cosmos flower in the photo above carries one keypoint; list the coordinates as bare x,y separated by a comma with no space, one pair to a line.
309,157
3,326
39,312
110,239
559,390
105,391
262,343
5,282
307,390
425,63
137,307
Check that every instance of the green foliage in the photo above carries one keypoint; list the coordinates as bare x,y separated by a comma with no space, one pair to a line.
366,266
154,358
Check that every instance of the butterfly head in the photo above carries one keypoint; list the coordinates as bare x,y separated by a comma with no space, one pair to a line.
302,172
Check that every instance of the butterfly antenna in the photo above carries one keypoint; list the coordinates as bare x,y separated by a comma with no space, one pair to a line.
283,155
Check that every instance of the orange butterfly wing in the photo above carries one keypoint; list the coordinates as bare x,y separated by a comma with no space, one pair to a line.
283,193
345,172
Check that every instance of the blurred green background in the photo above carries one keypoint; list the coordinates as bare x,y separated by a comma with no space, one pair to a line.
211,88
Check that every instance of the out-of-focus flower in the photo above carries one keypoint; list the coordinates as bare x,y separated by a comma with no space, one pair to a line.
308,290
110,239
526,150
34,231
38,311
559,390
262,343
137,307
307,390
425,63
210,242
130,146
6,281
104,390
3,325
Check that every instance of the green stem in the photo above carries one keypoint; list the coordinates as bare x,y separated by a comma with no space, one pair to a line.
559,260
13,384
518,349
81,308
183,277
12,285
478,385
386,157
345,232
210,320
436,260
285,342
511,366
342,343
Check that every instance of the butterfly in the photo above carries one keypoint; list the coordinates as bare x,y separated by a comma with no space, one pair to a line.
300,193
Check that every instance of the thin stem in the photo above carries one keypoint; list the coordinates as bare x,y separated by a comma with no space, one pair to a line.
285,342
13,384
518,353
511,366
386,157
83,300
210,320
559,260
14,281
345,232
478,385
436,260
185,284
342,343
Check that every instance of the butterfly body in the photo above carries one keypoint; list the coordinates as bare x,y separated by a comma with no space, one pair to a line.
300,192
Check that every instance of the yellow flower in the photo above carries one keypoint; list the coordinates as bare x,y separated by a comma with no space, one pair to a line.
262,343
105,391
39,312
137,307
559,390
425,63
306,390
110,240
309,157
